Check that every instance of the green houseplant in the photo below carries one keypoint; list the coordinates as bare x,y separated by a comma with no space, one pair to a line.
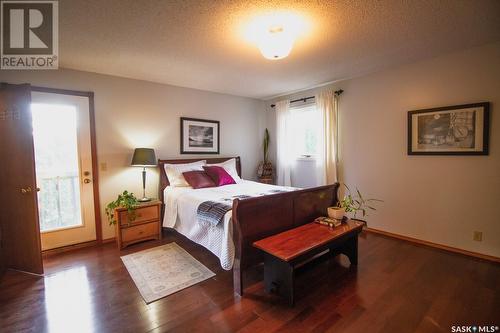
265,145
265,170
125,200
352,203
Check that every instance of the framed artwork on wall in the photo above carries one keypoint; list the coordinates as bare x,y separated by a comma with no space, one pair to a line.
449,130
199,136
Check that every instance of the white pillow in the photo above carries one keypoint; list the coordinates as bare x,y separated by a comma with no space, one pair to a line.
174,172
230,167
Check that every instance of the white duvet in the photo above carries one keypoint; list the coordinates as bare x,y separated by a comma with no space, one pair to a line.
181,204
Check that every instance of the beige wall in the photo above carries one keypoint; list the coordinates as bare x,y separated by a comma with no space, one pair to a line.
441,199
132,113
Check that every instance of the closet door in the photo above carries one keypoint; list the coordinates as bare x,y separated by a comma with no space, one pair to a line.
18,190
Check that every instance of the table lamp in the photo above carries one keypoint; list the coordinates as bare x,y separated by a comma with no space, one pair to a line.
144,157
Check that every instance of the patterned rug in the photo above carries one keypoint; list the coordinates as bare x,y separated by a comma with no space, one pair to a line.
164,270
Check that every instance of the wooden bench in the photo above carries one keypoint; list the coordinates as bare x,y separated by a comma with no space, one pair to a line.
285,251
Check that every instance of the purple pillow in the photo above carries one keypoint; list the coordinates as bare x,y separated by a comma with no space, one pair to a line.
219,175
198,179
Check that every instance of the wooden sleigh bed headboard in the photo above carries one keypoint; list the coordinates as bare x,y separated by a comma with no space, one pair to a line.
163,175
259,217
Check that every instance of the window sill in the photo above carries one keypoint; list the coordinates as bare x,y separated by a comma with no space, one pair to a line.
306,159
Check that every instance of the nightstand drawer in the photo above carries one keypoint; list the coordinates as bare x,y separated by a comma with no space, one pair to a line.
140,231
141,215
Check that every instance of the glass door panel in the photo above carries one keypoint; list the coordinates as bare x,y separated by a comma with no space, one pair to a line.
55,135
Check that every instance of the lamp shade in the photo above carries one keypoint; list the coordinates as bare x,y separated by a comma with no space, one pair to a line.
144,157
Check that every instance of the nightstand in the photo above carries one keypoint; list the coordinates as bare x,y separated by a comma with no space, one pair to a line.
143,225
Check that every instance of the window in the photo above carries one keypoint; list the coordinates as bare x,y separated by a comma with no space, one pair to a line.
305,130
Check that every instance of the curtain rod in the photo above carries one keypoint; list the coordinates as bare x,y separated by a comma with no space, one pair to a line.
336,92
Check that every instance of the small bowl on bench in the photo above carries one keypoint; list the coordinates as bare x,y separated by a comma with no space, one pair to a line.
336,213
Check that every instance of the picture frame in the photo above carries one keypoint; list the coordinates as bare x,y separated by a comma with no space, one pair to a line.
450,130
200,136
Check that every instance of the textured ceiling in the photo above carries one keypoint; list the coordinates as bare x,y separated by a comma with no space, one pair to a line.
198,44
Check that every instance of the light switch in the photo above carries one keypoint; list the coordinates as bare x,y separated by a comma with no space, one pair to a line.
104,166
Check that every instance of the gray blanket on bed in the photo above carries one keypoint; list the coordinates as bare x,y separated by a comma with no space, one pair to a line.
212,212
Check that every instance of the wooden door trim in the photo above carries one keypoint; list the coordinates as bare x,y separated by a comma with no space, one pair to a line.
62,91
93,148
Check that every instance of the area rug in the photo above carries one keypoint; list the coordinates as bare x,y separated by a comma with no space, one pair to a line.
164,270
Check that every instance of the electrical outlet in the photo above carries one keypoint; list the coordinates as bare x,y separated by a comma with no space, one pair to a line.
104,166
477,236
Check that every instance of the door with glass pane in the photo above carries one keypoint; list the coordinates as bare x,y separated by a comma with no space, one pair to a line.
63,163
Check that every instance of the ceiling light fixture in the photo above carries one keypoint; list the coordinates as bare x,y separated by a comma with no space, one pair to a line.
275,33
276,43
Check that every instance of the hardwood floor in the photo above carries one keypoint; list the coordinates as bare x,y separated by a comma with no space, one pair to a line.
397,287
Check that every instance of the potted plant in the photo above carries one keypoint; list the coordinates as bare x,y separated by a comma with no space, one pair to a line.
125,200
265,171
352,203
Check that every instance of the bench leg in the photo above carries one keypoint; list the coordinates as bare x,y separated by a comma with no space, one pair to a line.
350,249
279,278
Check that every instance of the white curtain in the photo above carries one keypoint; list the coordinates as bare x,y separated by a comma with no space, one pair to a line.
283,147
327,105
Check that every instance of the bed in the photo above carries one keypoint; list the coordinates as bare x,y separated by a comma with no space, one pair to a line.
250,219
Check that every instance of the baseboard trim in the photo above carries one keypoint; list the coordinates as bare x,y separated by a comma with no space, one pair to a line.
108,240
435,245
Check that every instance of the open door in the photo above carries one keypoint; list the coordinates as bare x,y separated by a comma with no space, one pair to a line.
18,191
64,169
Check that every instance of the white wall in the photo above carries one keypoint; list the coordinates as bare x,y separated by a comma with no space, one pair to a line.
133,113
441,199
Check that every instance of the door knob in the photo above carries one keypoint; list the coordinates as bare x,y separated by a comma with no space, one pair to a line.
38,189
86,180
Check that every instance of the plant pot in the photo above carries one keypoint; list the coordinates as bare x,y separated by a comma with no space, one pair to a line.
265,169
266,180
336,213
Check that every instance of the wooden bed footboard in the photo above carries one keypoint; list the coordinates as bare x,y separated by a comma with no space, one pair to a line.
257,218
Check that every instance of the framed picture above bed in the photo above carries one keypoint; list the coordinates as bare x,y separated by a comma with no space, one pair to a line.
450,130
200,136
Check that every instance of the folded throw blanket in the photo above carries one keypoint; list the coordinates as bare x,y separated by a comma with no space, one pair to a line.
212,212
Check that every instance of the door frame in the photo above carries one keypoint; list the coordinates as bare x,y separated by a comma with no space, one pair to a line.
93,148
